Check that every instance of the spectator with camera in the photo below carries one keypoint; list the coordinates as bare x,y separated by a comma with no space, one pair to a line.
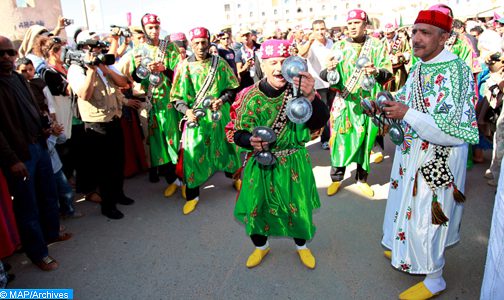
100,101
492,112
26,163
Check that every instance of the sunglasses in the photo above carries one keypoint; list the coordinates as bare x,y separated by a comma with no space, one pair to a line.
56,40
10,52
224,38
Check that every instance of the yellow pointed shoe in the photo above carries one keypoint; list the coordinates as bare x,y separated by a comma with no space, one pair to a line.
365,189
189,206
183,190
333,188
388,254
307,258
170,190
256,257
376,157
237,184
417,292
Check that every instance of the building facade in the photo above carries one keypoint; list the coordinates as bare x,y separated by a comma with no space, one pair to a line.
283,14
18,15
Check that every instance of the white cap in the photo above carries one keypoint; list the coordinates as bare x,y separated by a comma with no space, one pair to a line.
85,35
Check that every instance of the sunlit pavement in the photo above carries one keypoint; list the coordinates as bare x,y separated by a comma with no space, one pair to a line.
156,252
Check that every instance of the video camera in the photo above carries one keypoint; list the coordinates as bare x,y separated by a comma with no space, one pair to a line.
91,43
120,30
71,56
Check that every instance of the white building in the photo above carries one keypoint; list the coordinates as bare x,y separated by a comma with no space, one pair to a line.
284,14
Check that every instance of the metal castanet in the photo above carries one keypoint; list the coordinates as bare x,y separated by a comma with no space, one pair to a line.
383,123
368,82
299,110
265,157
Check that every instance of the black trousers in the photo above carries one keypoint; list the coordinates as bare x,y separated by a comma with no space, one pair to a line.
338,173
104,155
192,193
168,171
260,240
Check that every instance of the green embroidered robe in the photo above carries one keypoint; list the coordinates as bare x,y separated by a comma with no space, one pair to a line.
276,200
206,149
163,134
352,132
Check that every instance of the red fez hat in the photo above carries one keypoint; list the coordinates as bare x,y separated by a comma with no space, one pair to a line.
178,36
435,18
357,14
274,48
199,32
150,19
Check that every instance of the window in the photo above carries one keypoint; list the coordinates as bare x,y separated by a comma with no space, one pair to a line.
335,7
251,14
263,14
227,7
239,5
299,10
275,12
311,9
286,11
323,7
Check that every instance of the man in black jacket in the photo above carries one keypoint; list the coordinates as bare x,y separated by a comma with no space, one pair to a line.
26,163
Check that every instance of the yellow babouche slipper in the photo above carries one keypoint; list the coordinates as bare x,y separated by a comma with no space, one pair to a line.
376,157
387,254
237,184
307,258
417,292
189,206
183,189
256,257
333,188
365,188
170,190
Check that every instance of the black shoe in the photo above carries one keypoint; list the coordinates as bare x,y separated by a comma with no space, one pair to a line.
153,175
126,201
112,213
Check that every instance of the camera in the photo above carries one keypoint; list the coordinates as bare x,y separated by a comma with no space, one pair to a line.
68,22
120,30
71,56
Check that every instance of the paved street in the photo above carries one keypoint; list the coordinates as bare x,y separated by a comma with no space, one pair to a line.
156,252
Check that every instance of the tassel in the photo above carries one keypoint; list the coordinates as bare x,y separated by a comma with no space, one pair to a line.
457,195
415,184
438,216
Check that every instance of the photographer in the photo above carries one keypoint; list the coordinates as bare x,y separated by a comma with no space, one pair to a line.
493,94
100,102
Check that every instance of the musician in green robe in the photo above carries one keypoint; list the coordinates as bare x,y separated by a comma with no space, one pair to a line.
352,132
205,147
277,200
163,133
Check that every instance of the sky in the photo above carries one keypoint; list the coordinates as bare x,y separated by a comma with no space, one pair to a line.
176,16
